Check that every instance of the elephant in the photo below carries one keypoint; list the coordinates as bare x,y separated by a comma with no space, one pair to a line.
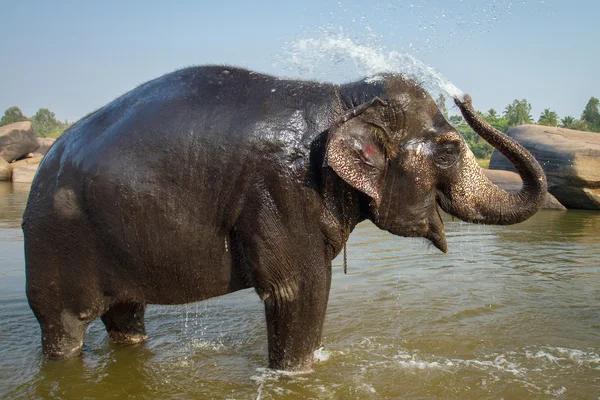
213,179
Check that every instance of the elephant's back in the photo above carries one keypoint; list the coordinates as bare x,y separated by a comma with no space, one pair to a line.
162,171
198,116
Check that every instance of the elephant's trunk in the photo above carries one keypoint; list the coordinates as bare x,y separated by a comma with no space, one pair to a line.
473,198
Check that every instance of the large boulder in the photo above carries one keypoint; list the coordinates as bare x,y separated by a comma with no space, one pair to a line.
6,169
24,173
34,159
17,140
511,182
571,160
45,144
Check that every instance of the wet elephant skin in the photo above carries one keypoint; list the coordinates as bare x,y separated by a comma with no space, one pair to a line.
213,179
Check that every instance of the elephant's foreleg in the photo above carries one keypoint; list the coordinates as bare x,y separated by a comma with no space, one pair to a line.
295,313
64,337
62,329
124,323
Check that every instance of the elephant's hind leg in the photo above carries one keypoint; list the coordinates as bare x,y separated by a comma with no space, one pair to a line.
124,323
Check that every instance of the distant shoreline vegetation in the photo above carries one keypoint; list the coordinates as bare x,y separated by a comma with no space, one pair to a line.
518,112
44,121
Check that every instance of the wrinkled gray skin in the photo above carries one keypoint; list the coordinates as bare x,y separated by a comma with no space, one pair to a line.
214,179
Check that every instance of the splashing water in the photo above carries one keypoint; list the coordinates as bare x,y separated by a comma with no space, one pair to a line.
310,56
330,52
424,26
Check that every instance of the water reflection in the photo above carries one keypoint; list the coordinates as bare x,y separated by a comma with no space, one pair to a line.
554,226
13,197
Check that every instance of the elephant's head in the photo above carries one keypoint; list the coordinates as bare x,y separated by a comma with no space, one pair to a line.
402,152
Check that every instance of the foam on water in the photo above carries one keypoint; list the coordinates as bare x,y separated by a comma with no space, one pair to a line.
533,368
309,56
580,357
499,362
511,362
267,375
322,355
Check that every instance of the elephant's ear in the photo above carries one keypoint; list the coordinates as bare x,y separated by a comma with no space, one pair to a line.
356,150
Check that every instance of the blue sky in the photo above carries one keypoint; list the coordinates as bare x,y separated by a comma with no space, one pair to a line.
75,56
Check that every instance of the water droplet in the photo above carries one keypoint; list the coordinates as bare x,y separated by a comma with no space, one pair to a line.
306,55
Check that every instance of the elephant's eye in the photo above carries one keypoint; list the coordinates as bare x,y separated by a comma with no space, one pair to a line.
446,155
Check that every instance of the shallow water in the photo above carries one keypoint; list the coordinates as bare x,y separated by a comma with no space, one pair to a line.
511,312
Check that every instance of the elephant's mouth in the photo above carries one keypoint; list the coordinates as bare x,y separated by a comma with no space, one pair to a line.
424,222
436,234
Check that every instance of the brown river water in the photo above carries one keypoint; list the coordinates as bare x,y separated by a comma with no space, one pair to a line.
512,312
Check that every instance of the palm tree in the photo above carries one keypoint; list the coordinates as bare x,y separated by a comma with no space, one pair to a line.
567,121
492,113
518,113
548,118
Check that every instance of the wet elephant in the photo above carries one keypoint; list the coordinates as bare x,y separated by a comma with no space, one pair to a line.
213,179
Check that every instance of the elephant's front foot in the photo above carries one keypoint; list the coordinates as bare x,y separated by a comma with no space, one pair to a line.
298,363
295,327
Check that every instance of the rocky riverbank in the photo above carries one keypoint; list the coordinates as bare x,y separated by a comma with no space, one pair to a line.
571,160
21,152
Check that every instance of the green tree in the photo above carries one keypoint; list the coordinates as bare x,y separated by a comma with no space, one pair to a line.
456,120
591,114
45,123
12,114
579,125
572,123
566,122
480,148
441,103
496,121
548,118
492,114
518,113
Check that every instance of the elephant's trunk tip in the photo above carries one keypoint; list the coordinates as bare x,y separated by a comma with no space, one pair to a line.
465,101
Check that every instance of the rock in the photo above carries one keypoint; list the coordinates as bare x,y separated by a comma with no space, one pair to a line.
16,140
5,170
24,173
511,182
571,160
45,144
35,159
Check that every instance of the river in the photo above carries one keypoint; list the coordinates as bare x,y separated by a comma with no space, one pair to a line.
511,312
